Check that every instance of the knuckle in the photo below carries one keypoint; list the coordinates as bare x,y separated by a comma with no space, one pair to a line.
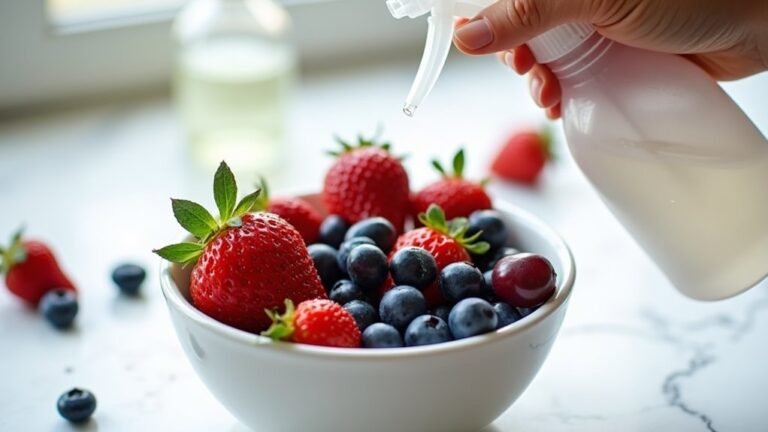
523,13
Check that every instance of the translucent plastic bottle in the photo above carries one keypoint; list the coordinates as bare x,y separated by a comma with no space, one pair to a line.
673,157
235,71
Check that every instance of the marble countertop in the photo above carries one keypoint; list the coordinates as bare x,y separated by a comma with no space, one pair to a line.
633,354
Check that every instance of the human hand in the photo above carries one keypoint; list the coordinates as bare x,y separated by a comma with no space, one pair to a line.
728,39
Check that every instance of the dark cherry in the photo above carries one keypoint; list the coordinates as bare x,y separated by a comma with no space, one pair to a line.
524,280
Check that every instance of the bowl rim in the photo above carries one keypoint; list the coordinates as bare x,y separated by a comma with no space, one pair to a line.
177,301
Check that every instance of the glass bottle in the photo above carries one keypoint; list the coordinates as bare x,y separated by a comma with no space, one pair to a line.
235,70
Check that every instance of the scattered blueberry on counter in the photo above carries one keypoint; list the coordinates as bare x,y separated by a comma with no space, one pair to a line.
129,277
76,405
59,306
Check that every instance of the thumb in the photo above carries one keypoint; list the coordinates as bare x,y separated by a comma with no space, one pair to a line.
510,23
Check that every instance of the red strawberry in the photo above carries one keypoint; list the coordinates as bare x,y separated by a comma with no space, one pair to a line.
446,242
523,156
315,322
455,195
367,181
245,262
299,213
31,270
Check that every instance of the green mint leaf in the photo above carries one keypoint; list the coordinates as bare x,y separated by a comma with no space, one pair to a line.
194,218
458,163
180,252
224,191
247,203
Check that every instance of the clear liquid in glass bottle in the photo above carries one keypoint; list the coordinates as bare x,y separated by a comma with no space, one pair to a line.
234,76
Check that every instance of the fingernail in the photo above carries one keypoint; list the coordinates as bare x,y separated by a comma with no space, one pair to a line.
535,88
475,34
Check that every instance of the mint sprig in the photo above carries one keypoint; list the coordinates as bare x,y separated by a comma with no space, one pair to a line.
201,224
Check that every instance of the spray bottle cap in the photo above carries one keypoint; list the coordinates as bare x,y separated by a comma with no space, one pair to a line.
546,47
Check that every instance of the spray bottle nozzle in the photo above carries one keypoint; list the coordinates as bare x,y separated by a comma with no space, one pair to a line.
409,8
439,37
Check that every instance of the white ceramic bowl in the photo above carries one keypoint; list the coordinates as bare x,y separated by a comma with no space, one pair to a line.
456,386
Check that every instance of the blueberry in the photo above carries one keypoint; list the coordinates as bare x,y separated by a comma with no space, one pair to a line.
378,229
427,330
470,317
400,305
332,230
367,266
413,266
506,314
459,281
363,313
488,261
59,307
442,312
525,311
381,335
324,258
76,405
129,277
491,223
488,293
346,248
344,291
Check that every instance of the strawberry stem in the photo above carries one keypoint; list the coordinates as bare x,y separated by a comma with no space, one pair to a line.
434,218
547,141
15,253
201,224
347,147
282,324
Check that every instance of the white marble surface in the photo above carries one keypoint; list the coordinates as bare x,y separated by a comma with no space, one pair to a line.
633,354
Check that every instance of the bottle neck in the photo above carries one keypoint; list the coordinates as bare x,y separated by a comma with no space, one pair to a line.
577,65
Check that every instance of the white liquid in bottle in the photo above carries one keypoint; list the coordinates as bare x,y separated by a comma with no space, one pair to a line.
674,158
233,96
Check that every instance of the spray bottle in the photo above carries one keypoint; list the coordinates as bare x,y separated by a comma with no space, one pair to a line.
673,157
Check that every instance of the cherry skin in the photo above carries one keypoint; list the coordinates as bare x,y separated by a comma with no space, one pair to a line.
524,279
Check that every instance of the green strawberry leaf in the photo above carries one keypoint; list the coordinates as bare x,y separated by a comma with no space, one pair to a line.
478,248
458,164
181,253
282,325
458,227
247,203
194,218
224,191
439,167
